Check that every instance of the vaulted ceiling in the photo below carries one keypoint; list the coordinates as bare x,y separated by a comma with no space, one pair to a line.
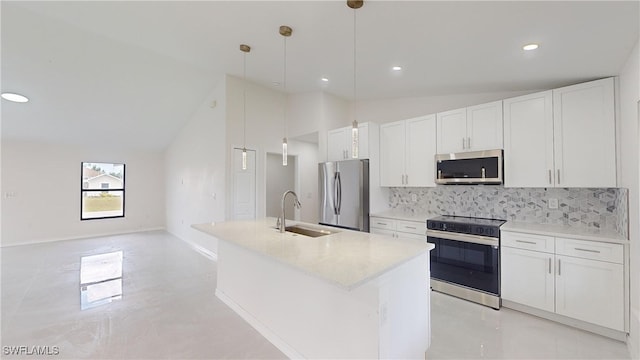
135,71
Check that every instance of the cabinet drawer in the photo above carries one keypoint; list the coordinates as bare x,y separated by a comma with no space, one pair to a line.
594,250
382,232
382,223
412,227
402,235
528,241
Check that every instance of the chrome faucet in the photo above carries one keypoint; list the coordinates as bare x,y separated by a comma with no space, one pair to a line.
296,203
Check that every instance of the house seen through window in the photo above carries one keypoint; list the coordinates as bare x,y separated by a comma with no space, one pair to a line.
102,191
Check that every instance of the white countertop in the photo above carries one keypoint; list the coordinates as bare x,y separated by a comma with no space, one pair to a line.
402,215
346,258
592,234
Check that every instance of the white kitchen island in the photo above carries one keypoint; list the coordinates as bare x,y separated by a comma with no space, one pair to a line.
345,295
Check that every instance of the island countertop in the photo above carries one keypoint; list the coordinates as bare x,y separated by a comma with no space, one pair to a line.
346,258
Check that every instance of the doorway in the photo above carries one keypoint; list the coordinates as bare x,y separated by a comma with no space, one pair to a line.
280,179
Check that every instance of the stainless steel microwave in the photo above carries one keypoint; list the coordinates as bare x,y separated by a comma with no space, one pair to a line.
473,167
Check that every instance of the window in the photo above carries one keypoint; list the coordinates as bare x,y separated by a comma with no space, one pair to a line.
102,192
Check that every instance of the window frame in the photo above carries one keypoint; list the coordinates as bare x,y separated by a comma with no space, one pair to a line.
83,190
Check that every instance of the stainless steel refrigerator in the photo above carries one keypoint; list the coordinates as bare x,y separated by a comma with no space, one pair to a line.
344,194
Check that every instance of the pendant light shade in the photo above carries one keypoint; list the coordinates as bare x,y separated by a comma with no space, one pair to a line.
285,31
355,136
244,158
284,152
245,49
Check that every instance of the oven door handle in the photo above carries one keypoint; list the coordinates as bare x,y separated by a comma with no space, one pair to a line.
475,239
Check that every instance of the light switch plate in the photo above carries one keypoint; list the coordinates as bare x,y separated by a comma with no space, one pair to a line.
553,203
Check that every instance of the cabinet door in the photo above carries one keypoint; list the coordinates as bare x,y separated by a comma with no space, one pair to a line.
336,144
484,126
392,148
452,131
528,141
420,151
591,291
363,141
527,277
584,130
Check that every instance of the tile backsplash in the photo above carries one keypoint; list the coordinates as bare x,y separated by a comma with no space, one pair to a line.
592,208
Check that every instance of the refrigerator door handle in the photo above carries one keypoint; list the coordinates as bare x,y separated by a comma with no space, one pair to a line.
335,193
339,188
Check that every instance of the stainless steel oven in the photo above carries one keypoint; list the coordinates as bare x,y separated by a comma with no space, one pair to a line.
466,260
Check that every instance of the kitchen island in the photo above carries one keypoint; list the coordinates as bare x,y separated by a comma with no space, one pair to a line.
347,294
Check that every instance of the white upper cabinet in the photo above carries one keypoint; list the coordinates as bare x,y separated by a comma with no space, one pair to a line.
584,129
452,131
392,153
407,150
528,141
470,129
339,144
484,126
561,138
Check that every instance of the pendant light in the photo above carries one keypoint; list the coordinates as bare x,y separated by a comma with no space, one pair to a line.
245,49
285,31
354,4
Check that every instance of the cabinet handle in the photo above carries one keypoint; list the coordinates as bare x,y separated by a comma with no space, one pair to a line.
407,179
463,144
383,224
550,177
468,143
558,176
527,242
588,250
559,268
411,227
549,265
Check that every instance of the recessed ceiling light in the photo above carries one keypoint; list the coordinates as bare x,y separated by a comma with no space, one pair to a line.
15,97
530,47
396,68
324,79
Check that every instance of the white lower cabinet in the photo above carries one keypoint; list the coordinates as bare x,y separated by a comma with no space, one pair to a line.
590,290
579,279
528,278
398,228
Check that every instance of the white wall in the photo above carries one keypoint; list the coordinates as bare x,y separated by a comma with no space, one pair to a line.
280,179
307,179
319,112
629,138
264,130
195,172
43,182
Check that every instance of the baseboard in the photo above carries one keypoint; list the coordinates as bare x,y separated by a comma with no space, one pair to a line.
87,236
274,339
633,341
200,249
582,325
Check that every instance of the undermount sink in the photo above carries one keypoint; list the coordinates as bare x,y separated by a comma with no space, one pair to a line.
307,231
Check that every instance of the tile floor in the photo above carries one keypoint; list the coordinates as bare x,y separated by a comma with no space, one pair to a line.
156,300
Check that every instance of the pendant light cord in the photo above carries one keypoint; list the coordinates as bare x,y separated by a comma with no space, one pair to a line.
244,101
355,106
284,86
